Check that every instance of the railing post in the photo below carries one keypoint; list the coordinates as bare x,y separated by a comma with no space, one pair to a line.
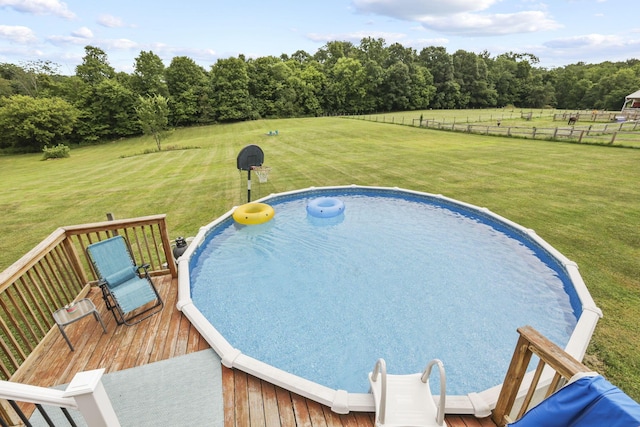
166,244
74,260
93,403
512,381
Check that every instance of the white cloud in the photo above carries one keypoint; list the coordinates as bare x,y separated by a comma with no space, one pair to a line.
595,47
488,25
460,17
83,32
356,37
197,54
412,10
39,7
438,41
110,21
17,33
590,40
66,40
118,44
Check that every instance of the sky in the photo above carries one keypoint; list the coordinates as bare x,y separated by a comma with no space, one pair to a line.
557,32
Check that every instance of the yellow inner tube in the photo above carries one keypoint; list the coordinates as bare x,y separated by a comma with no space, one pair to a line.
253,213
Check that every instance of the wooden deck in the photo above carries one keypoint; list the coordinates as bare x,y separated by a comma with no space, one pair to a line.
248,401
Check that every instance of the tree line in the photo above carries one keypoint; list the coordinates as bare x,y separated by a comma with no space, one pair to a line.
40,107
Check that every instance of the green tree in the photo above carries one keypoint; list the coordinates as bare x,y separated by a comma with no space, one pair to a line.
230,97
104,98
308,82
95,66
396,87
270,87
371,49
440,65
153,114
373,55
32,77
107,111
502,74
616,87
148,76
471,74
9,85
28,124
397,53
187,86
301,57
345,91
422,89
333,51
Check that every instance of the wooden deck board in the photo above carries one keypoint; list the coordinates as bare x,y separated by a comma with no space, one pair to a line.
248,401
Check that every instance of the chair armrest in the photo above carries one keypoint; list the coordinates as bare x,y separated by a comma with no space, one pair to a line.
144,267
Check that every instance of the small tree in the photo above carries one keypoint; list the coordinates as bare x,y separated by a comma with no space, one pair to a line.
153,114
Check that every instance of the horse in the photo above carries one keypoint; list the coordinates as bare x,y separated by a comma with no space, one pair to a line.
572,120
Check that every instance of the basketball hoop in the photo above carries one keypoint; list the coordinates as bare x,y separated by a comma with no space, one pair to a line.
262,172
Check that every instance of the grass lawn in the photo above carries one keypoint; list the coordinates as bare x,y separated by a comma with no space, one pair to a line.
582,199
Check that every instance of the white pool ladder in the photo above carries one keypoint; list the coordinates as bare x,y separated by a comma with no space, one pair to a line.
406,400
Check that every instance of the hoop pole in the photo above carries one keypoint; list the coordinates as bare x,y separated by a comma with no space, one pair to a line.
248,185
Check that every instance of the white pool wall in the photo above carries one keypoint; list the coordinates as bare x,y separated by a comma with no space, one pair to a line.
478,403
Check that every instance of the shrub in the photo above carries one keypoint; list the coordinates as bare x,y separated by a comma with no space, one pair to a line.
58,152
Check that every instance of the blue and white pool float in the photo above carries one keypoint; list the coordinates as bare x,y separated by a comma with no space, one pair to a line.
325,207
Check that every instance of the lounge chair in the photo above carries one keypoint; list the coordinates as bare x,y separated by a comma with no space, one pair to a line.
406,400
127,289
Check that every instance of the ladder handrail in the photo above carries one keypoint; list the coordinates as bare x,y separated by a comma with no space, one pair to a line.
381,367
443,385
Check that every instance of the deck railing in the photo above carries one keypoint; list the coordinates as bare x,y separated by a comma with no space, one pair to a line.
57,272
530,343
85,394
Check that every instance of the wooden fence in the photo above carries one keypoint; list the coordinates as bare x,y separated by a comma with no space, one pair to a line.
57,272
598,116
621,134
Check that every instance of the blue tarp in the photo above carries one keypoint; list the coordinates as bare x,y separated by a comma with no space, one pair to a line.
588,402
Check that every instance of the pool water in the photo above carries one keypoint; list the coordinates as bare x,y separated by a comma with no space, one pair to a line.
398,277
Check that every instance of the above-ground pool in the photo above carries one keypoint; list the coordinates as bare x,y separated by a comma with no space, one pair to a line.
310,303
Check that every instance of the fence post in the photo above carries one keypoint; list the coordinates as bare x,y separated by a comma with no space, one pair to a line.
93,403
580,138
613,137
